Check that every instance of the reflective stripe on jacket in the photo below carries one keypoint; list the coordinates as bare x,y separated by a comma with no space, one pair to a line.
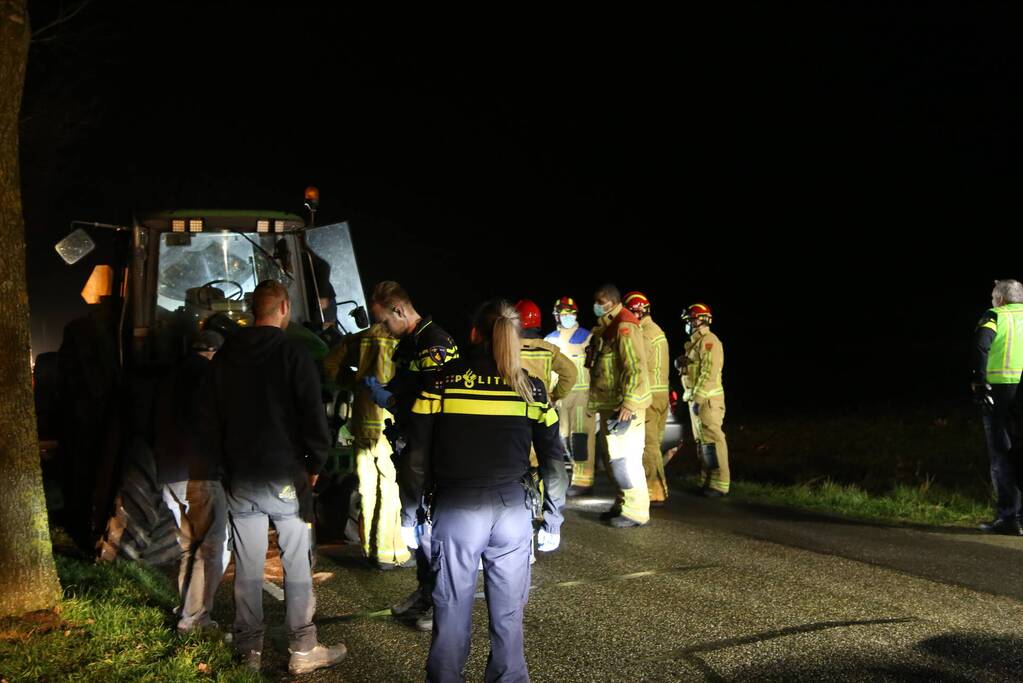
543,360
1005,358
618,378
705,360
658,361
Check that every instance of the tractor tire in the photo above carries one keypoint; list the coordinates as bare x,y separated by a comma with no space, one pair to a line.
141,528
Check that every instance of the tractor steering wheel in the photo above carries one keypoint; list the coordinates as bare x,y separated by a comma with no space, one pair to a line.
235,296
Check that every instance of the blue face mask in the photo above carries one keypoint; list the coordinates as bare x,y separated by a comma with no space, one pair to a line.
598,310
567,321
689,328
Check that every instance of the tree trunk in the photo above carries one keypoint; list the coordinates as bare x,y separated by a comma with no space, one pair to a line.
28,578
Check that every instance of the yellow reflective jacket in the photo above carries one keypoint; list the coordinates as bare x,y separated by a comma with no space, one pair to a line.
540,358
371,352
705,358
618,375
658,360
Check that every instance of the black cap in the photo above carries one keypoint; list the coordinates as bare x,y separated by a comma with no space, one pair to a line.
208,340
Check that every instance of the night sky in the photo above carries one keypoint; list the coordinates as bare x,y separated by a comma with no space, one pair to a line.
837,183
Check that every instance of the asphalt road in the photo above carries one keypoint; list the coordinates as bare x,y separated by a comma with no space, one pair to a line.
711,590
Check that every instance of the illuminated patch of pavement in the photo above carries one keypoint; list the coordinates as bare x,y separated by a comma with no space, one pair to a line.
683,599
273,591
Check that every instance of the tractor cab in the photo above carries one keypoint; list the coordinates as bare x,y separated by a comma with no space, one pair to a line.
190,270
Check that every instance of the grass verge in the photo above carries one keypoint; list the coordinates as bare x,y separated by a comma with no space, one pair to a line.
113,624
921,504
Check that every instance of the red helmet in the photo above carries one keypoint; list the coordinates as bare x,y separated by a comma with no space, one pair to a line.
637,303
697,312
565,303
529,314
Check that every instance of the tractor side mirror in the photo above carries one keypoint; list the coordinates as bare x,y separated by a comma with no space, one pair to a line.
75,247
360,315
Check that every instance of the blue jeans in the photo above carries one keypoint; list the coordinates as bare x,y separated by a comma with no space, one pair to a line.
494,523
996,433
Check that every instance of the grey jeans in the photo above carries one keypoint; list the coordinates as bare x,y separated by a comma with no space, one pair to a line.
251,507
200,511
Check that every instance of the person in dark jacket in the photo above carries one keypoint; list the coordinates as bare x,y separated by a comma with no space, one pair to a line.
264,419
474,428
191,485
423,351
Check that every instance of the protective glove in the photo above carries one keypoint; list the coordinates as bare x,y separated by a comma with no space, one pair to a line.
381,396
687,395
982,397
546,542
616,426
410,536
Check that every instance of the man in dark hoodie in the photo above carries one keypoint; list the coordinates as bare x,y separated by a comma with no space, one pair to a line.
264,418
191,485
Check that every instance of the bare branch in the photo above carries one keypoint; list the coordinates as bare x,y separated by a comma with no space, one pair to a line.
61,19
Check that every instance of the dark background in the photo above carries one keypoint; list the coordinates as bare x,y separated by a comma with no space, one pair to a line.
838,183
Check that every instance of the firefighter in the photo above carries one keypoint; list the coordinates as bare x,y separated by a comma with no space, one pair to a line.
705,394
475,426
658,362
997,366
542,359
423,349
620,394
577,422
371,353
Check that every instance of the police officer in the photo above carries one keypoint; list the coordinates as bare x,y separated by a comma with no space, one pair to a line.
577,422
620,393
997,367
423,350
704,392
658,367
474,429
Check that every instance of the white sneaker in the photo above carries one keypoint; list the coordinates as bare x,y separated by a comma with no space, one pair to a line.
252,660
320,657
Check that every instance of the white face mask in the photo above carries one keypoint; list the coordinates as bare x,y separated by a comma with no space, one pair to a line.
689,328
567,320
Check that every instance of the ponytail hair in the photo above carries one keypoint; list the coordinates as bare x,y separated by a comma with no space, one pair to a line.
497,324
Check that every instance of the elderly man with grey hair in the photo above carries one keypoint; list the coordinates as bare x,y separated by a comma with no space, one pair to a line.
996,368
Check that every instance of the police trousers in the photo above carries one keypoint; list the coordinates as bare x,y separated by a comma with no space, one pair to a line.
999,446
251,506
497,525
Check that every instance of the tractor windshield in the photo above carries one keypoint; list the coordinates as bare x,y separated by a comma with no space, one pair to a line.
214,272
